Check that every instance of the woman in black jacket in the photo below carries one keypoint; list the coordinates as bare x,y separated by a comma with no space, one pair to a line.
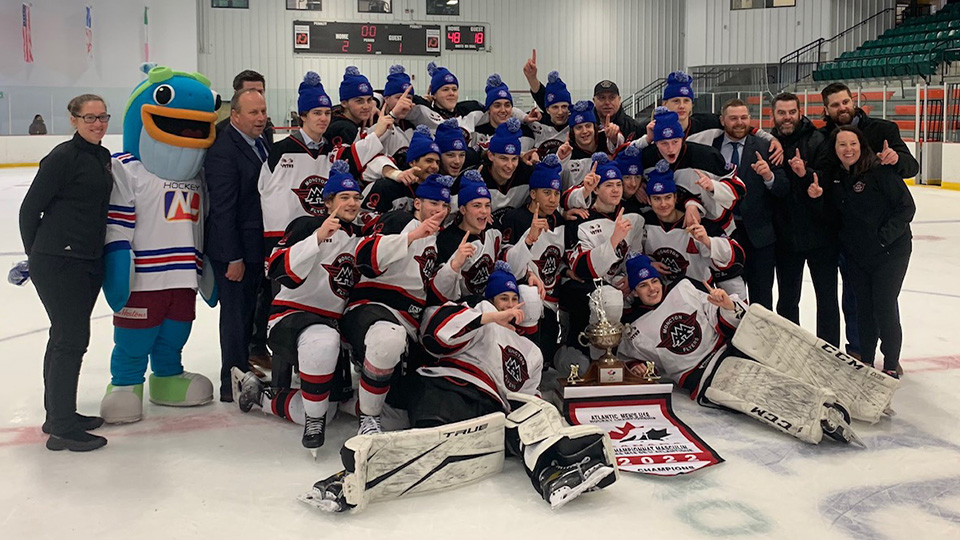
63,221
875,209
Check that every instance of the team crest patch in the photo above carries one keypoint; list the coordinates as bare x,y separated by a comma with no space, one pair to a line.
458,145
859,186
310,194
445,193
548,147
510,149
449,78
434,148
633,170
343,274
502,93
550,97
668,132
363,87
324,101
684,90
611,174
483,191
549,264
555,184
680,333
676,263
514,368
477,276
428,263
657,187
180,205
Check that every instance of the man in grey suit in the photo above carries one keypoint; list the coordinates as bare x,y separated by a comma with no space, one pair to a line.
753,214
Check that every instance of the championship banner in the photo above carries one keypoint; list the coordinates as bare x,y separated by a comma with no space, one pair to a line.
647,436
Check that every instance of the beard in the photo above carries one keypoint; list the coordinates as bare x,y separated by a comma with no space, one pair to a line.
786,127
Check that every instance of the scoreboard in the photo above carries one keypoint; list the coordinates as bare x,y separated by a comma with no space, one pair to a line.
465,38
321,37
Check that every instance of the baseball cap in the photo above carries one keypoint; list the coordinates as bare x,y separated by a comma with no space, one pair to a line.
606,86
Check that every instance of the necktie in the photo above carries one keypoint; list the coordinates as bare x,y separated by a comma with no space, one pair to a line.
261,151
735,156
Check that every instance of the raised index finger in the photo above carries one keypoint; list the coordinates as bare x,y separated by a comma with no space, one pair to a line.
406,92
620,214
534,56
593,170
708,286
466,236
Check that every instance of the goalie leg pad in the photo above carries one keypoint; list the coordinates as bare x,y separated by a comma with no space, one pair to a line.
790,405
395,464
788,348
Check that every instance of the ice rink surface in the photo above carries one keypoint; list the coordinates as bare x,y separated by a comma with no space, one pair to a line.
214,472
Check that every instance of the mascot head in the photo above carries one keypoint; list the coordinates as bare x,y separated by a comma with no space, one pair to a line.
169,122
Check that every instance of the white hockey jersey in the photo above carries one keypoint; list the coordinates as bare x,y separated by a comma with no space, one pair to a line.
294,186
547,139
314,278
481,130
161,221
448,285
672,245
393,274
546,254
681,333
491,357
589,251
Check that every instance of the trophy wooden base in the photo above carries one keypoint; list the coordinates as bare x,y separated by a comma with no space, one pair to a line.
608,371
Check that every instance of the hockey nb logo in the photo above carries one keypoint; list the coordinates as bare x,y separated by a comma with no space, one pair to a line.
181,205
680,333
310,194
514,368
343,274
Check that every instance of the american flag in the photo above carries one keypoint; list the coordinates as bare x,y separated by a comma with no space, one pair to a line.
27,42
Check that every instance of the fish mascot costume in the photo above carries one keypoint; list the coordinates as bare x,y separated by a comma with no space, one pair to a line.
154,263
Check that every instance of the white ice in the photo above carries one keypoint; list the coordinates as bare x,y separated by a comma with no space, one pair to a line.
214,472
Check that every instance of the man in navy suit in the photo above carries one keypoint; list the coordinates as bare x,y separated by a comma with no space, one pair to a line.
753,215
234,226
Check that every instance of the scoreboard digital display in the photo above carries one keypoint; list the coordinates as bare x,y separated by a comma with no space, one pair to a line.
321,37
465,38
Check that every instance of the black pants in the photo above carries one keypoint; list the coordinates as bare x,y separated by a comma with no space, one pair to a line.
877,282
823,271
442,400
68,288
758,268
237,303
261,315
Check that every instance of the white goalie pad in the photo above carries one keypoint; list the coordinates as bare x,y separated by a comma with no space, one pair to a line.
764,394
397,464
778,343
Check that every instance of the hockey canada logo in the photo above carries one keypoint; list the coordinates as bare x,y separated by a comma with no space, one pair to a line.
680,333
514,368
548,264
859,187
428,263
676,263
343,274
476,276
181,205
668,133
310,194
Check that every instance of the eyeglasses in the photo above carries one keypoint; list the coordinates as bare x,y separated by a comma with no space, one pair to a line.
91,118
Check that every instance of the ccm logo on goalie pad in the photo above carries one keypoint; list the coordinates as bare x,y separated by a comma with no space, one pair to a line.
770,417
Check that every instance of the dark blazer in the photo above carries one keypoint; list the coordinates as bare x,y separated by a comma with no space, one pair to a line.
876,130
756,207
234,224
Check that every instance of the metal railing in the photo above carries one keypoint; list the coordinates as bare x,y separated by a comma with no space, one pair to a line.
808,58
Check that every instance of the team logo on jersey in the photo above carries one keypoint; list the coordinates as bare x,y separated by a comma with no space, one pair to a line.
680,333
343,274
458,144
179,205
859,186
514,368
286,162
310,194
668,133
676,263
363,88
549,264
428,263
477,276
548,147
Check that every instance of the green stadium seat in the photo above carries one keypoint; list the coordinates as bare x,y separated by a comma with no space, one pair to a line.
874,68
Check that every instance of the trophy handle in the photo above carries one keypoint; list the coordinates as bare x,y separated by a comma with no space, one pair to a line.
582,338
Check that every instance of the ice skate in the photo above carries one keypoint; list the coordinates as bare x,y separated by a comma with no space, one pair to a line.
370,424
327,494
247,388
313,430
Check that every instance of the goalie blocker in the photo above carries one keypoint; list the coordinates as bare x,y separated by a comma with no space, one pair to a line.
561,461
